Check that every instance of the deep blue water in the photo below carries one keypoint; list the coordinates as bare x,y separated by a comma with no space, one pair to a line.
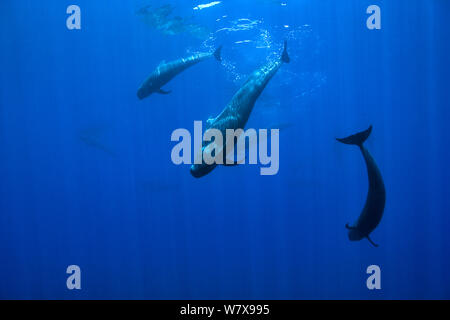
141,227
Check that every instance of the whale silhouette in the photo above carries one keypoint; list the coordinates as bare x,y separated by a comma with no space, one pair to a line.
236,113
166,71
373,210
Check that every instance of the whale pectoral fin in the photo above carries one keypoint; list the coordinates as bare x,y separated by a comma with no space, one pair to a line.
373,243
209,122
161,91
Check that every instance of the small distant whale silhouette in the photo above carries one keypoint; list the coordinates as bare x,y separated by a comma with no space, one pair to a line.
372,213
236,113
92,137
166,71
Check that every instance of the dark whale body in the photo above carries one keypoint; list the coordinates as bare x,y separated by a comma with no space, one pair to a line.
236,113
166,71
372,213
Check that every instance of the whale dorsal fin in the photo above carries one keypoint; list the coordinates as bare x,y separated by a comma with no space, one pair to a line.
209,122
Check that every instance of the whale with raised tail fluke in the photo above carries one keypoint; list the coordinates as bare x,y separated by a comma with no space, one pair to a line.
166,71
373,210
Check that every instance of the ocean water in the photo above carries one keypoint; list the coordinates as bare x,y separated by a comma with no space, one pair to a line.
86,176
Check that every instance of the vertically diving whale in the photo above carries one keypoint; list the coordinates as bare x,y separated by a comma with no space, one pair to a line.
166,71
237,112
372,213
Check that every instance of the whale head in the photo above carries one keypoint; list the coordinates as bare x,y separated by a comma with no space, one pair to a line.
149,86
355,235
141,94
145,90
210,150
200,170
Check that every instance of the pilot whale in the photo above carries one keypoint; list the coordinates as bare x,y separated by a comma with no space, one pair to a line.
166,71
236,113
372,213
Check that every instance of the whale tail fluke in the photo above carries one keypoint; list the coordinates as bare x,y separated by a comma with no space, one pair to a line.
217,54
285,56
358,138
